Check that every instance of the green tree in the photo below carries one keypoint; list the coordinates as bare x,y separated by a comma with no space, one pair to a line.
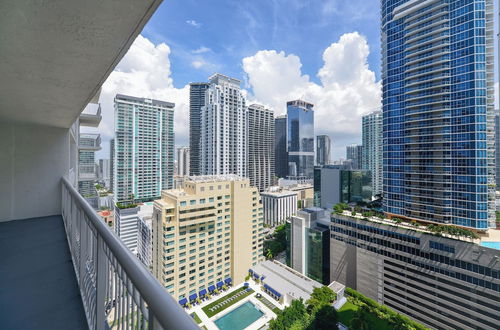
325,318
299,204
360,321
287,317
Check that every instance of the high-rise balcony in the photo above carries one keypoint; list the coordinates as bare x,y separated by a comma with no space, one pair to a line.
91,142
61,266
91,115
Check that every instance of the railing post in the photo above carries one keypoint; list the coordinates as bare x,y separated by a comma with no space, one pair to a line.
101,283
153,322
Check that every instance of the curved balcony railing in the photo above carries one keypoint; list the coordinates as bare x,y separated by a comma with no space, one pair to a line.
117,291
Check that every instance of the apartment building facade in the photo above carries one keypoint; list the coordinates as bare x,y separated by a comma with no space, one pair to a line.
280,149
438,109
143,148
372,138
196,102
206,234
260,146
224,128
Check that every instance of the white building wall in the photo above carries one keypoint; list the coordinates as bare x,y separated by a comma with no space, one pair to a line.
33,159
278,207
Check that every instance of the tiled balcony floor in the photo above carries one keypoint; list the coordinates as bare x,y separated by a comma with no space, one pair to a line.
38,287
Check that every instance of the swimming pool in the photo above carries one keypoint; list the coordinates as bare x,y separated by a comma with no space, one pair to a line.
239,318
491,245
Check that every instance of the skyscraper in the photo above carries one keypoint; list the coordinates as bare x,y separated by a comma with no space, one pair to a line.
260,146
437,78
371,133
224,128
196,101
497,148
112,164
280,151
323,149
354,152
104,171
183,158
300,138
144,148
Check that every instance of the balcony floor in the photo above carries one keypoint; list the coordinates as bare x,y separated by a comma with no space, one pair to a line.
38,287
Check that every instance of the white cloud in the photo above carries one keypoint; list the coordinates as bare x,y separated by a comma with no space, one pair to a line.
348,88
144,72
201,50
192,22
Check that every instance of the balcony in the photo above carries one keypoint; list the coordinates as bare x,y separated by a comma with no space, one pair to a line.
91,115
61,265
90,142
77,274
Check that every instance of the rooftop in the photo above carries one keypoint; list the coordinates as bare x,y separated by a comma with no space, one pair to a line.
215,178
278,192
143,100
285,280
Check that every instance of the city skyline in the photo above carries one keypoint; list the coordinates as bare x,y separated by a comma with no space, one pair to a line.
153,68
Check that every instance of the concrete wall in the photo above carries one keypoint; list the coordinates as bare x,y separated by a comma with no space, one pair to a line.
33,159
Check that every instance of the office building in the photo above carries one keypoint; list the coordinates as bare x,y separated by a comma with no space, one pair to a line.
308,244
278,205
497,148
300,138
88,144
183,158
280,148
260,146
442,282
224,128
323,149
144,148
372,148
438,108
64,268
111,164
354,153
206,234
196,101
333,184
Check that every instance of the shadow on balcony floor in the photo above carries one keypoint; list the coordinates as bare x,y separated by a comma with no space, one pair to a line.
38,287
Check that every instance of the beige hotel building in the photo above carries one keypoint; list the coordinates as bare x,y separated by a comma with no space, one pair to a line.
206,234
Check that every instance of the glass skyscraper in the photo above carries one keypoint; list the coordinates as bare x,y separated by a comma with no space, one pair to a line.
280,153
437,76
323,149
300,138
196,101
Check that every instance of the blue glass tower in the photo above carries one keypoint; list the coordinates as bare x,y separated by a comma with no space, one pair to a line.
300,139
437,73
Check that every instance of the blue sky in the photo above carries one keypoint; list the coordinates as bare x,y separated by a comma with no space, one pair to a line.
233,30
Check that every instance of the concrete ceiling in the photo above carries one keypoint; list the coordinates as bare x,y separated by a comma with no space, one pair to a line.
55,55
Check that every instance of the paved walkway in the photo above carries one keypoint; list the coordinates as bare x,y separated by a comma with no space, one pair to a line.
38,288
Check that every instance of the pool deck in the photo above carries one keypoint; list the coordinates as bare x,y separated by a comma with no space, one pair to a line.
268,314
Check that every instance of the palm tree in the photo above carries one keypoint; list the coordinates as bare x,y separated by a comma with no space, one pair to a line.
269,254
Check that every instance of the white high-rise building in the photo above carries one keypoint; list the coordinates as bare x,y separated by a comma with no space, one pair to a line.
144,148
372,148
260,146
104,171
224,118
183,161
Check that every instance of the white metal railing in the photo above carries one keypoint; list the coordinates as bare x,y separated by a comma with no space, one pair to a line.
117,290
